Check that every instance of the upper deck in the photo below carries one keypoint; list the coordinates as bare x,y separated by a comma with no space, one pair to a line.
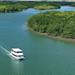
16,50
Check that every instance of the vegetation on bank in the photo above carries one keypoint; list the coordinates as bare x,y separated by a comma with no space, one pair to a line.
46,5
43,7
54,23
11,6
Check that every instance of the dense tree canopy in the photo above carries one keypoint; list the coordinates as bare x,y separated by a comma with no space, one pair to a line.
10,6
54,23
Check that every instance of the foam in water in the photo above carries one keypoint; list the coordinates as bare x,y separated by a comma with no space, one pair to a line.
4,50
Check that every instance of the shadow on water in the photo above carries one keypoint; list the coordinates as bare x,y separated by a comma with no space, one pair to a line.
17,67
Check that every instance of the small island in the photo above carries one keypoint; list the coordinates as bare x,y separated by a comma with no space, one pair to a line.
46,5
54,23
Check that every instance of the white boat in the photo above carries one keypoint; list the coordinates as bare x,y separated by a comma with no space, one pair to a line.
17,53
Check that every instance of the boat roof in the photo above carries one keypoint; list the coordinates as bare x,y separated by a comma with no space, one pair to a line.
16,49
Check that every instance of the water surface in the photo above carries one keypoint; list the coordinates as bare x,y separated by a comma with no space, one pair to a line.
44,56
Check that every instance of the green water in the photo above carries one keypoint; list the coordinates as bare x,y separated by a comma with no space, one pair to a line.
44,56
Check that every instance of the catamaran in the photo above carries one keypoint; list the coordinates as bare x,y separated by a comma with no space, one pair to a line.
17,53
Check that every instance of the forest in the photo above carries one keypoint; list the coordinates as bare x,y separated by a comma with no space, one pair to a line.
54,23
11,6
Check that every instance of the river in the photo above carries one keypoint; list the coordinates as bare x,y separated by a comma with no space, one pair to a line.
44,56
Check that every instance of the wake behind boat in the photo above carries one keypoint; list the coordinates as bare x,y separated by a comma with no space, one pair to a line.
17,54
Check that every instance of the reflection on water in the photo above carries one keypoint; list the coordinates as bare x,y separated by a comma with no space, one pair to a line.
17,67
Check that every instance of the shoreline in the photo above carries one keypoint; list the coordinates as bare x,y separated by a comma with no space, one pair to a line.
53,37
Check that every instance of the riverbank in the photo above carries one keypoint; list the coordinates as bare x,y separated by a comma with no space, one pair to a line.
46,6
53,37
15,6
54,23
12,6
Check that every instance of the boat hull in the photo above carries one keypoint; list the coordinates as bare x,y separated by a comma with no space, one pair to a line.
17,58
